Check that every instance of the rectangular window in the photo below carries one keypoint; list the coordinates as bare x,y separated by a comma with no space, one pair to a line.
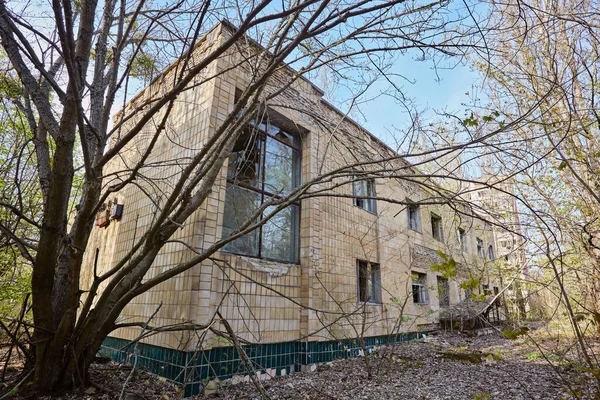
264,165
480,252
491,253
462,239
436,227
364,194
443,291
419,288
486,290
369,282
414,217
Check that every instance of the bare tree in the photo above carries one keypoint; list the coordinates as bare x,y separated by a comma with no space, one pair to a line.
543,64
73,77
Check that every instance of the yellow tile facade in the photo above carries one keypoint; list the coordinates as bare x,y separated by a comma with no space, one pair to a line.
266,301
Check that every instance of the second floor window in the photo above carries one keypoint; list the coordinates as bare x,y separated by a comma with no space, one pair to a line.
414,217
491,253
436,227
263,166
462,238
364,194
480,251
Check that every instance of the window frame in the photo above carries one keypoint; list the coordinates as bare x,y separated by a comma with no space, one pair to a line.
480,248
485,290
439,235
258,137
373,276
410,209
491,255
421,284
368,202
462,239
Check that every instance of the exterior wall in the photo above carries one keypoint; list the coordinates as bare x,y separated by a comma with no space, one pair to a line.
193,119
266,301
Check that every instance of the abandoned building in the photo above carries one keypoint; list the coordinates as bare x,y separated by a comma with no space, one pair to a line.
326,270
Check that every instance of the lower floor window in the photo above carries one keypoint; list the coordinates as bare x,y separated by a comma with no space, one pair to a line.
419,288
443,291
369,282
486,290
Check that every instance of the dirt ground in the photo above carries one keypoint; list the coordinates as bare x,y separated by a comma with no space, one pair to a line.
445,366
449,366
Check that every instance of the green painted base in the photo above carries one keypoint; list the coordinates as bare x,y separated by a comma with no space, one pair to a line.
193,370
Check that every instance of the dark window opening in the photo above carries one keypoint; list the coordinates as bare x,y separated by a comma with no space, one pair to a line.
264,166
369,282
491,253
486,290
364,194
419,288
436,227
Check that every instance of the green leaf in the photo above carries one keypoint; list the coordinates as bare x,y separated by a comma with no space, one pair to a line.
447,267
562,165
470,121
478,297
471,283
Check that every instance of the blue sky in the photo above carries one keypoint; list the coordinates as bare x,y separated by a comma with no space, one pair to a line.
445,90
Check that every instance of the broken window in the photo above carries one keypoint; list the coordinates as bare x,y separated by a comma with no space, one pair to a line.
419,288
462,239
480,252
443,291
364,192
369,282
414,217
436,227
264,166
